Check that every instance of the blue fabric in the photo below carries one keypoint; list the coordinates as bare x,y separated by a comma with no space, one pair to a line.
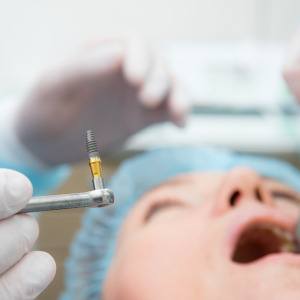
93,248
43,181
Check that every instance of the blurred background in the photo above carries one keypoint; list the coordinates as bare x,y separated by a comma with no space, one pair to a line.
33,32
228,53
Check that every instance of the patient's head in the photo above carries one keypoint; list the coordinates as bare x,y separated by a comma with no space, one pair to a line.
223,232
206,235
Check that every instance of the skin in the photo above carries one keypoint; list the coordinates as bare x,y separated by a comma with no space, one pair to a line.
184,250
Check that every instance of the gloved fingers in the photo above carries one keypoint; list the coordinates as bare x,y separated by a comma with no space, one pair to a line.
102,59
293,52
154,81
137,61
157,85
15,191
179,104
291,66
28,278
17,236
87,64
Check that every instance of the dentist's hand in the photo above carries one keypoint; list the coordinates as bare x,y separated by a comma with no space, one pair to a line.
116,88
291,69
24,274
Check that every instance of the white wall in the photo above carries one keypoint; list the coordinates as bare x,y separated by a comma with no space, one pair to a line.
33,31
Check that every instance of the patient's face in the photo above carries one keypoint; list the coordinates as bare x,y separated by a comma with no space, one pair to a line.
209,236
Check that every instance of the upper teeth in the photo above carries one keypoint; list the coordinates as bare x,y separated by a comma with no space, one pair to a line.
286,237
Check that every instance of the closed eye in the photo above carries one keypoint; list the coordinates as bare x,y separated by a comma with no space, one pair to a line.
161,206
285,195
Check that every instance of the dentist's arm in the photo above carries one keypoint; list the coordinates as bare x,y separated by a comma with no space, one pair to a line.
116,88
24,273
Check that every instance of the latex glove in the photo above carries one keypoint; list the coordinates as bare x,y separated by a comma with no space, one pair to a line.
24,274
116,89
291,69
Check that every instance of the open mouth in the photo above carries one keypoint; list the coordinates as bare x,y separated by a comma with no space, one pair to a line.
258,240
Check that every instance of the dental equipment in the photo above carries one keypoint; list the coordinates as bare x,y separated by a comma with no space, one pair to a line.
99,197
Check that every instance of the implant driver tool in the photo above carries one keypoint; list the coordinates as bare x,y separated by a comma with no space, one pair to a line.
99,197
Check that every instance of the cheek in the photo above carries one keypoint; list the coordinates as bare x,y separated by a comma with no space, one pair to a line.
151,267
291,209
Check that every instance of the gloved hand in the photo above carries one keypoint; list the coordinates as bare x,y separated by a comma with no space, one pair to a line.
291,69
116,89
24,274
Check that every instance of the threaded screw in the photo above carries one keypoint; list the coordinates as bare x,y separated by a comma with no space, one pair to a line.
91,144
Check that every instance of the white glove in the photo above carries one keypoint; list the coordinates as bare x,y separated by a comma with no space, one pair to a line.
291,68
24,274
116,89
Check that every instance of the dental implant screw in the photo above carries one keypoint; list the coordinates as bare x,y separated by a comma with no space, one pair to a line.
94,160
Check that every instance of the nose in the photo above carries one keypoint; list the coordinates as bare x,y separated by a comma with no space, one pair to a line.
242,185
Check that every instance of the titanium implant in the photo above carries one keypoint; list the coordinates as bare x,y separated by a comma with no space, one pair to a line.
95,160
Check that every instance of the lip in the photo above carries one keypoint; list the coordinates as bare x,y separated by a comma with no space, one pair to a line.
248,216
287,258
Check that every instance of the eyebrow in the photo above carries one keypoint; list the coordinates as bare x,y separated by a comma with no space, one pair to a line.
280,193
163,205
290,196
171,183
158,207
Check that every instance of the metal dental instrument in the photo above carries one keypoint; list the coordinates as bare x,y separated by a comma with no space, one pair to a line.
99,197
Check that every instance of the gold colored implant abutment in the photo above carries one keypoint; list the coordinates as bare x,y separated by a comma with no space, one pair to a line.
96,166
96,169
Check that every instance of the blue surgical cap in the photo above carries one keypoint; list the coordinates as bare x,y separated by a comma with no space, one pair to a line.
93,248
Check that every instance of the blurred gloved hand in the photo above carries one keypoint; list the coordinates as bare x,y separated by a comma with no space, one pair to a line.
24,274
115,88
291,69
